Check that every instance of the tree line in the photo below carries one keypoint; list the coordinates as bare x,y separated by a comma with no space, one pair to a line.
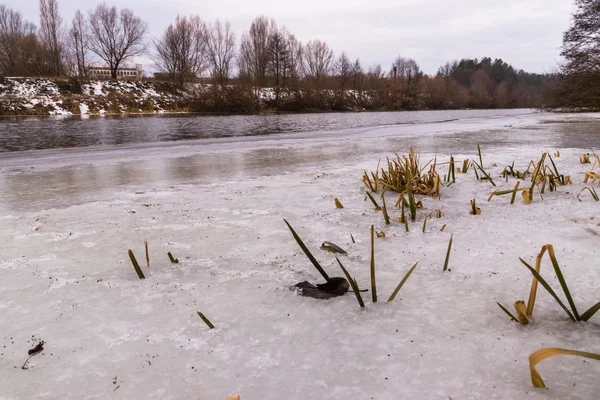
269,67
577,86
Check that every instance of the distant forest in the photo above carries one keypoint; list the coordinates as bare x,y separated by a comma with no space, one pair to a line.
268,69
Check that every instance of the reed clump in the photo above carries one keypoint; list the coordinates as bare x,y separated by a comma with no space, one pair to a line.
571,311
405,173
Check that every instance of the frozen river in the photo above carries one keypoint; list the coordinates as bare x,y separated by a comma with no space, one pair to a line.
155,152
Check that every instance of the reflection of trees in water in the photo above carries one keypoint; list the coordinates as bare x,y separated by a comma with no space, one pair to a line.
50,133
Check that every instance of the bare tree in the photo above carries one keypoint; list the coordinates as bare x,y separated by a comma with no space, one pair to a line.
294,60
254,50
51,35
317,61
407,76
80,44
182,49
221,50
357,76
116,36
16,36
281,60
343,71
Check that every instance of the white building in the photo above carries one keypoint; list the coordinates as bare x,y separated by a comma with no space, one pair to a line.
122,73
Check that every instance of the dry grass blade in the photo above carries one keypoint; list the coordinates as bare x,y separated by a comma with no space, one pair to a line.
424,224
585,159
443,227
548,352
526,196
534,281
590,313
384,211
410,271
512,199
147,254
173,259
373,281
448,252
521,312
307,252
206,321
474,209
480,158
373,201
548,288
352,283
512,317
367,182
487,176
465,167
592,192
338,203
412,205
562,281
352,237
499,193
136,266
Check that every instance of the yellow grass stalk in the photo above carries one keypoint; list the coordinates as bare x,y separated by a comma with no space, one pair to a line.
136,266
338,203
353,284
585,159
448,252
373,201
534,281
542,354
474,209
443,227
384,211
592,192
147,254
410,271
373,282
526,196
521,312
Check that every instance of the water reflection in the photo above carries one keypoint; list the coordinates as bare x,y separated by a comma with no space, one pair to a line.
36,133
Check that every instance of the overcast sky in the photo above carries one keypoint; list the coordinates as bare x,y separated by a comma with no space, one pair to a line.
524,33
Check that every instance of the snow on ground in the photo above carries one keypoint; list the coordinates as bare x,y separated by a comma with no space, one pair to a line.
22,95
67,280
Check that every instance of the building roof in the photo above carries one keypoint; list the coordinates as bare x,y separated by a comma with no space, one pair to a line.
118,69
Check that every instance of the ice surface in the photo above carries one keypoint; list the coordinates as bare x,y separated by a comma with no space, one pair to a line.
68,218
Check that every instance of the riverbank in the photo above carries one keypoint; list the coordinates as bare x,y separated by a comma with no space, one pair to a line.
40,96
68,218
